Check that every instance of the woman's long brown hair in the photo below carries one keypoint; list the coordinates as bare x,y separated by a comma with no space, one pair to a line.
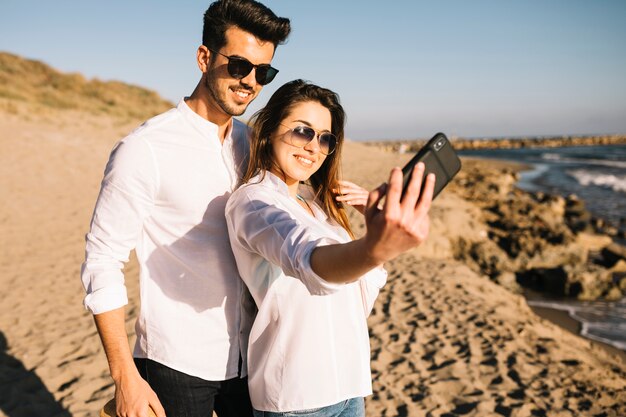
265,123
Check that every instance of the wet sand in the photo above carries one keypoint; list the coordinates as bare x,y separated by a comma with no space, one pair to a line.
565,321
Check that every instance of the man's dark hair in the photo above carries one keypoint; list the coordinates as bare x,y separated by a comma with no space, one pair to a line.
248,15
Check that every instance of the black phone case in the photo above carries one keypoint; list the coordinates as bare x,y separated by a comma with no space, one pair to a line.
439,157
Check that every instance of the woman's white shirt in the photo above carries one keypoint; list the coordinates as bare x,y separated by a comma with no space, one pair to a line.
309,344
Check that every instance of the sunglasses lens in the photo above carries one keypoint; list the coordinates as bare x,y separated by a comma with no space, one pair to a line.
239,67
302,135
328,141
265,74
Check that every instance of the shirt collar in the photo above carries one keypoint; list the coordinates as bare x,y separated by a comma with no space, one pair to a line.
273,181
201,124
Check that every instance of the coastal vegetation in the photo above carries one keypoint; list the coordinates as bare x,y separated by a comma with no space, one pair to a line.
33,89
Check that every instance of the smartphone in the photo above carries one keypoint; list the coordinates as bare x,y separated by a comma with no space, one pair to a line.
439,157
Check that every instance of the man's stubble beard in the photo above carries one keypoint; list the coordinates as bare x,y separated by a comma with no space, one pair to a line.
220,101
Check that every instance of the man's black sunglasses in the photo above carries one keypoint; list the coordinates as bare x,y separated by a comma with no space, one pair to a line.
239,67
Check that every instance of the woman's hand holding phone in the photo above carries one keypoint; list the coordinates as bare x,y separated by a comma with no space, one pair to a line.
439,157
402,223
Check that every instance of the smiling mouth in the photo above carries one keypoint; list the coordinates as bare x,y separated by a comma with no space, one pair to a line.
243,94
304,161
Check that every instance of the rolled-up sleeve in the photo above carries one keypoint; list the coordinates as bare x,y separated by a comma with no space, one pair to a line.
260,225
125,199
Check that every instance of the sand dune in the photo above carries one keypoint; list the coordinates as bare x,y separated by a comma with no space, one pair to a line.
445,341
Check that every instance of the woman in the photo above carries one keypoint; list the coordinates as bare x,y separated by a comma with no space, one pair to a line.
313,284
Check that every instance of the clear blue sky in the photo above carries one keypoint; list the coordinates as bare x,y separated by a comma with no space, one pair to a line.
404,69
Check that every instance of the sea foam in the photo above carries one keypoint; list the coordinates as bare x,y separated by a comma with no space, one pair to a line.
559,158
586,178
603,321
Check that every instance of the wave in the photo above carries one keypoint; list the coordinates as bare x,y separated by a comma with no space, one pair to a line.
586,178
600,320
609,334
551,156
555,157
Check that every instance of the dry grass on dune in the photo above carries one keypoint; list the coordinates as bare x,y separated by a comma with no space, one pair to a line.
32,87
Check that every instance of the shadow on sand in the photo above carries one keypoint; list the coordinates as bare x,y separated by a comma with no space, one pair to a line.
22,392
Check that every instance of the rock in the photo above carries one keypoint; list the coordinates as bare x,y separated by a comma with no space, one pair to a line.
505,143
484,256
509,281
537,240
561,255
505,182
522,225
579,222
585,282
593,282
576,216
545,280
592,241
574,204
613,253
602,227
618,272
620,266
614,294
554,203
620,277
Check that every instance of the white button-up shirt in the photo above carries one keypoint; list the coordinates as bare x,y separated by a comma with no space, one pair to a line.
164,193
309,344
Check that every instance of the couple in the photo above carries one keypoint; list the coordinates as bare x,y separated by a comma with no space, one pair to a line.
203,248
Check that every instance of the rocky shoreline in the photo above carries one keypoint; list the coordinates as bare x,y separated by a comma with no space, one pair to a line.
448,339
504,143
522,240
546,243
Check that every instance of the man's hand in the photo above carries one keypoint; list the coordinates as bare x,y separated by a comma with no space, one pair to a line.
133,395
353,195
135,398
403,222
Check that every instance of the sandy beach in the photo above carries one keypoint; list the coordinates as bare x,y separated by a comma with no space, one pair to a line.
446,340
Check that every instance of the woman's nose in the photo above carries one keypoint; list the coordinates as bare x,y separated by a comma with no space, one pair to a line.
314,144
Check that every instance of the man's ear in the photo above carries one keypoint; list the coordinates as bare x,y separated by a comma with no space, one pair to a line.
202,56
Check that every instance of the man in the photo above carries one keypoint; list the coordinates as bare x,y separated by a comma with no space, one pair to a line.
163,194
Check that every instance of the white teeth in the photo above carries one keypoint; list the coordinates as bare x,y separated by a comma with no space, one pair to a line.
304,160
242,94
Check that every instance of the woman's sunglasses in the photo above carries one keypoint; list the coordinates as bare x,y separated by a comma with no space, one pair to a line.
239,67
300,136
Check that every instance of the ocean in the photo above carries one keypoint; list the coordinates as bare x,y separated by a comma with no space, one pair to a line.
597,175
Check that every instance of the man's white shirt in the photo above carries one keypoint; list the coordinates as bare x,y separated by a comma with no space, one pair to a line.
164,193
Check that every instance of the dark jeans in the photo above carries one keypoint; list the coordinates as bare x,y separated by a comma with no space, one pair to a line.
184,395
